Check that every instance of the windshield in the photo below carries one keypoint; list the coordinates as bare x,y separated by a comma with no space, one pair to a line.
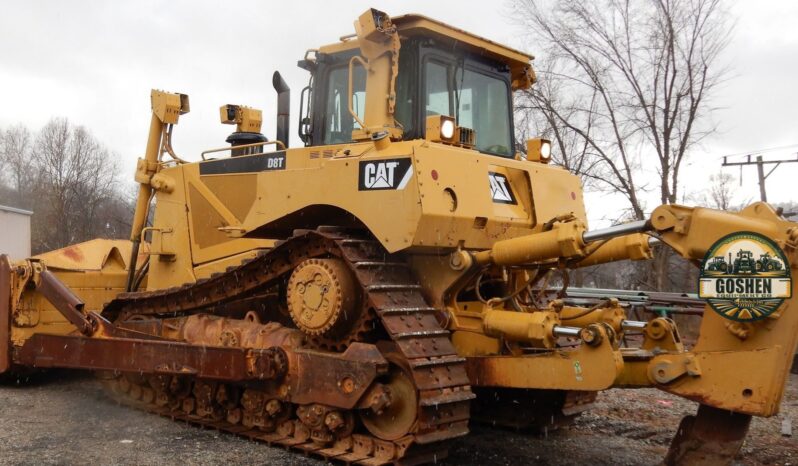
477,100
338,122
473,90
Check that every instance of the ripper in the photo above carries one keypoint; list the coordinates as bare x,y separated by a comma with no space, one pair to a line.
747,286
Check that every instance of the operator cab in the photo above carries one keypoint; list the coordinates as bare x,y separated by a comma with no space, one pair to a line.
442,71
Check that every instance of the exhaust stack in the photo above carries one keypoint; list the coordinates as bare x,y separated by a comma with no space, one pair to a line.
283,107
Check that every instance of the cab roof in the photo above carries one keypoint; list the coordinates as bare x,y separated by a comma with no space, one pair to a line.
415,24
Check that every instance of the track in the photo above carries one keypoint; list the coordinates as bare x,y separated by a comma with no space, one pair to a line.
412,339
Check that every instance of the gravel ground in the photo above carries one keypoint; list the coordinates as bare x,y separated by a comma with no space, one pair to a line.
66,419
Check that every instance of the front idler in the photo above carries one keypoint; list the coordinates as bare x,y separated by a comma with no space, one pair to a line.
392,409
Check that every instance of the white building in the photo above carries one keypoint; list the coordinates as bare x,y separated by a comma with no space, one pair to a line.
15,232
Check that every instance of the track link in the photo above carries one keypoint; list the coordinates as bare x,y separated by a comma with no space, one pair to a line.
291,433
392,296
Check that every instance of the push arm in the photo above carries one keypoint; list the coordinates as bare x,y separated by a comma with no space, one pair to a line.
166,109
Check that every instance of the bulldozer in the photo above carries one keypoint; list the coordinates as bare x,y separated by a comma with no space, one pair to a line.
364,297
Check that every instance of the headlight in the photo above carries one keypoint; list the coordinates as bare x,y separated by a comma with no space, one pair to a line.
447,129
443,128
538,150
545,150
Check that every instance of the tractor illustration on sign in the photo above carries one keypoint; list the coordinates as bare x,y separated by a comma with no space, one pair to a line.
718,264
768,263
744,263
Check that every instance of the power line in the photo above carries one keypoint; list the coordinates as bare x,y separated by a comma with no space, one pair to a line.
760,166
760,151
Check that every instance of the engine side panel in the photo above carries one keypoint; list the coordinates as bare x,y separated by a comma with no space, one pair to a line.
405,195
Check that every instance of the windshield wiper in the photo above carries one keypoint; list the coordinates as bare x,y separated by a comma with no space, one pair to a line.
457,87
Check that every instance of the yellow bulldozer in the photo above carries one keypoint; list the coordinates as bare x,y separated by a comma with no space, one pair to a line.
364,297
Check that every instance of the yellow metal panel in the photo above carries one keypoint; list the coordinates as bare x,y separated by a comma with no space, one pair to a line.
205,220
170,214
34,314
519,62
556,191
415,21
236,192
586,368
475,344
90,255
635,374
419,215
725,380
390,214
464,172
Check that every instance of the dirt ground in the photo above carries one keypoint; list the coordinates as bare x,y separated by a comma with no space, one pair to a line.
67,419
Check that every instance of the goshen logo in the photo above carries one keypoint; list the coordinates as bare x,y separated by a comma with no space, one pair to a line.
745,277
384,174
500,190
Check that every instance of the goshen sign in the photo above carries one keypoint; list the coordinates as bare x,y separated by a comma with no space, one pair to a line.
745,277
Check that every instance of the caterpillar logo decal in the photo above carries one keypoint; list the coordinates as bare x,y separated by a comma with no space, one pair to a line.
384,174
745,277
500,189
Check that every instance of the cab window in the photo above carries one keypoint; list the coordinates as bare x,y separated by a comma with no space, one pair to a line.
477,100
482,105
338,122
437,89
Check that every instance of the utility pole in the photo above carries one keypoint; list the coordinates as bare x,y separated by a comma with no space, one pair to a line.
760,168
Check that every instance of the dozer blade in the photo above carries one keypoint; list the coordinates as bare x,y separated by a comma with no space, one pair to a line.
711,437
5,313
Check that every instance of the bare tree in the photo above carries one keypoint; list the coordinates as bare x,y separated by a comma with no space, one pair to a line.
76,178
721,190
632,88
15,152
541,118
2,154
638,76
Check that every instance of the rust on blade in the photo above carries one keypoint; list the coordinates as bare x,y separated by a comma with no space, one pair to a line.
152,357
67,302
336,379
5,313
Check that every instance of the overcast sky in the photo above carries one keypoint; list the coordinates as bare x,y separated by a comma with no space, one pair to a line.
95,62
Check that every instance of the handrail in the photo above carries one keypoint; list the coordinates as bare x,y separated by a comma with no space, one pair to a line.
349,98
244,146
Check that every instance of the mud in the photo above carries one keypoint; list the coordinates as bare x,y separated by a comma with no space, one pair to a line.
67,419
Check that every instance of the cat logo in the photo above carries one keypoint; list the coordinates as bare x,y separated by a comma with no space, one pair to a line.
384,174
500,189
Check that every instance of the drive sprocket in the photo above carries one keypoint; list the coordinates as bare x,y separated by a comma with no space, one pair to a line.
324,300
